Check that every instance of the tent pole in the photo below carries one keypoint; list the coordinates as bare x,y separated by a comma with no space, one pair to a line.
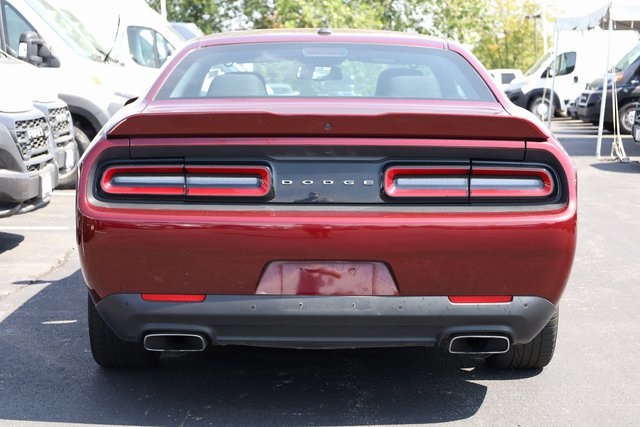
553,81
605,82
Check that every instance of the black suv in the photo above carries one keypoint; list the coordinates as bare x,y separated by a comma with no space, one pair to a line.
627,76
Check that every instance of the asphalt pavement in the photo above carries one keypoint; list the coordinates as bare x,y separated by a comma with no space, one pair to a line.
47,374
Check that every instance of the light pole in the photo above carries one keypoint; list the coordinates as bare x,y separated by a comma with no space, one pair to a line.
535,31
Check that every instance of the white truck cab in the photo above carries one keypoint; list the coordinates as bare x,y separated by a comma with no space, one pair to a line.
130,31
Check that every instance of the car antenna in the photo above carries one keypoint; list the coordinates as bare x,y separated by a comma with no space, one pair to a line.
106,57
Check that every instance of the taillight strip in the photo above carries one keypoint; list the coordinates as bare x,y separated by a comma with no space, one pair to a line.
144,180
427,181
220,181
498,181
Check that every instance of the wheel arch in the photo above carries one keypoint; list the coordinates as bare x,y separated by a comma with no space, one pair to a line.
539,93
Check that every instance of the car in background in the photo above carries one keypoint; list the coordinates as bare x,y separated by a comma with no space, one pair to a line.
418,208
45,99
84,77
504,76
626,76
574,66
133,34
28,172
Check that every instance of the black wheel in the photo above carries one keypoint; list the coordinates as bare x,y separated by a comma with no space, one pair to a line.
627,114
533,355
109,351
540,107
82,140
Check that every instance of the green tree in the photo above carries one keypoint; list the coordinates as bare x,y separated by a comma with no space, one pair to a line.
496,30
363,14
210,15
460,20
512,39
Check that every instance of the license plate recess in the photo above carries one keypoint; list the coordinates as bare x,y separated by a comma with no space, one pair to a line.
326,278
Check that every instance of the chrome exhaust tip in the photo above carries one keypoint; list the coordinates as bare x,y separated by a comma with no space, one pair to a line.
174,342
479,344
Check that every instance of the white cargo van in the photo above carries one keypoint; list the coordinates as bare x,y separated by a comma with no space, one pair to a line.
131,32
89,84
582,56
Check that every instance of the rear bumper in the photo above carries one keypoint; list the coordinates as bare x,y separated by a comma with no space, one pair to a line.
325,321
428,253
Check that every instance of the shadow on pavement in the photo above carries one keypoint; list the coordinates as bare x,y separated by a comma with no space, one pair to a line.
9,241
48,375
613,166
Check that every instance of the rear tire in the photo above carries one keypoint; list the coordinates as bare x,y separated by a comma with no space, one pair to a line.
540,108
533,355
109,351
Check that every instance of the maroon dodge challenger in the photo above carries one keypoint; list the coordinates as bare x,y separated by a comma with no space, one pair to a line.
319,189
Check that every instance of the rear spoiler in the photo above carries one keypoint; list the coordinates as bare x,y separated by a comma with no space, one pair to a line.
268,124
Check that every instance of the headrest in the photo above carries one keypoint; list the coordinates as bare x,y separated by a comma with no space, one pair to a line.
238,84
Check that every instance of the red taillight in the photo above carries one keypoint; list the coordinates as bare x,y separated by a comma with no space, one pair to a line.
480,299
173,297
144,180
510,182
180,181
427,181
222,181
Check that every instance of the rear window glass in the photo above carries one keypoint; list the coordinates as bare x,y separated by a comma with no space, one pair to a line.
324,70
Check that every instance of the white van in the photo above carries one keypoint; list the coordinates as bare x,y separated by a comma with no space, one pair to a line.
581,58
90,85
131,32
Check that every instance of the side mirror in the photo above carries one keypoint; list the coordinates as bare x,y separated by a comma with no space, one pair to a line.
35,51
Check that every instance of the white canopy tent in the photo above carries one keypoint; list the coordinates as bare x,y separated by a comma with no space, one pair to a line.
611,15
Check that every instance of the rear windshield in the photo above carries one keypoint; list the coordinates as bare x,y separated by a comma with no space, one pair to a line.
324,70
